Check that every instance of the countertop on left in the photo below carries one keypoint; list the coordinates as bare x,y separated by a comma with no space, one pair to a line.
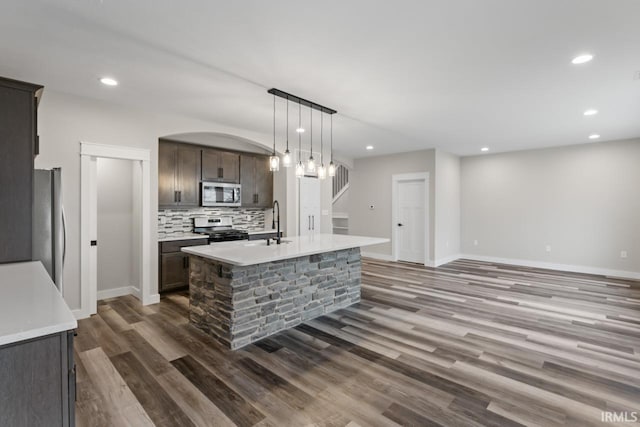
30,304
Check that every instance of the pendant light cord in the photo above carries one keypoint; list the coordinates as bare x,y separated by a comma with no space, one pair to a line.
274,125
311,128
299,133
287,124
321,141
331,116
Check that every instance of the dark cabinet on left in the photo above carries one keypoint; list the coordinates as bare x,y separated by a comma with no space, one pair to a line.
38,382
179,175
174,265
18,147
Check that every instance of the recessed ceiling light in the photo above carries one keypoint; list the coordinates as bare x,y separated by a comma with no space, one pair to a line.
581,59
484,149
594,136
369,147
591,112
300,130
108,81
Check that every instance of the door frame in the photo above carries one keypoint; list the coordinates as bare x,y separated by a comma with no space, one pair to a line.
396,179
89,154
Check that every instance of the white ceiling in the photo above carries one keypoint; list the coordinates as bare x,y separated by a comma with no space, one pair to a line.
403,75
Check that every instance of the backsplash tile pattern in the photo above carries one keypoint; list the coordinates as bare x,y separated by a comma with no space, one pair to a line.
177,221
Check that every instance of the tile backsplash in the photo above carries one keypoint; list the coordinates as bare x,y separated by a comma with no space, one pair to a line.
176,221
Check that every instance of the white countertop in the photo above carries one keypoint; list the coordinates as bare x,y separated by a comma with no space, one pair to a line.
245,252
30,304
180,236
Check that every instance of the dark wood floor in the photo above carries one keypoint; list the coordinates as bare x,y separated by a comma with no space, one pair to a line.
466,344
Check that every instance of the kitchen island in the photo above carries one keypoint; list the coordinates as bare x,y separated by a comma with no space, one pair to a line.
243,291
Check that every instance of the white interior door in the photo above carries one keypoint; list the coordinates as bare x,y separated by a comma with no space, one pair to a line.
309,218
411,221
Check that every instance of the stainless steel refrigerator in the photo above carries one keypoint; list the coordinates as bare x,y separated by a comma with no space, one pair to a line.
49,237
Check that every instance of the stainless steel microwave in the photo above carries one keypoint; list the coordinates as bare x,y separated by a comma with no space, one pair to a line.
219,194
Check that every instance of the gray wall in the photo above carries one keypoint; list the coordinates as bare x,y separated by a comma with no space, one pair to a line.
64,120
447,206
583,201
115,224
370,184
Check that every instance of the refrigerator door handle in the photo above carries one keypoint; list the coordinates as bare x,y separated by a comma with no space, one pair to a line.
64,234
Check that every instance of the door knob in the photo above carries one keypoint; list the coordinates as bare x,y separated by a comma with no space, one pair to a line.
399,225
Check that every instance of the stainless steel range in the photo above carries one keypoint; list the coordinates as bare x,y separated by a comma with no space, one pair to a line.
219,229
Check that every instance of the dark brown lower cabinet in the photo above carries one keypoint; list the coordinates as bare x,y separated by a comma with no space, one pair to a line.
174,265
38,382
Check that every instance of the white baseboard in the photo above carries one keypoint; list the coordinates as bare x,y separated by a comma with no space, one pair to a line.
375,255
118,292
446,260
80,314
553,266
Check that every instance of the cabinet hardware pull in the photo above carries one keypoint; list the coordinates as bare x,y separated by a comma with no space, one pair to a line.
185,262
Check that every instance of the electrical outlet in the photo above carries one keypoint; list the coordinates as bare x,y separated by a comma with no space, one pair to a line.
163,220
325,212
475,243
636,75
623,254
247,217
547,248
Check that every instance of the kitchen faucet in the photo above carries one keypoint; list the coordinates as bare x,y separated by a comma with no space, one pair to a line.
273,224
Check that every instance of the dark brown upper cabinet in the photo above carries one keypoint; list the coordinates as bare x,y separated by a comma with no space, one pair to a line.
18,147
256,180
220,166
179,170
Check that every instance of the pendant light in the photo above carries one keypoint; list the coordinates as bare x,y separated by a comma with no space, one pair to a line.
332,166
299,165
311,164
286,159
303,166
274,160
322,171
